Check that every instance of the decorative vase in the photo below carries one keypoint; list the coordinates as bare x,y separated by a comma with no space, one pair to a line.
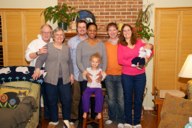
63,25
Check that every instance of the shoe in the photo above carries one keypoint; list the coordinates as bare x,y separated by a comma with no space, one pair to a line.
71,123
120,125
66,122
108,122
53,124
137,126
127,125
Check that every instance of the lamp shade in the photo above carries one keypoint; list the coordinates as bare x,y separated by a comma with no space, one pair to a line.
186,70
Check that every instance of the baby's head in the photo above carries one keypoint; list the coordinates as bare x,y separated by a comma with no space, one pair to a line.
148,46
95,60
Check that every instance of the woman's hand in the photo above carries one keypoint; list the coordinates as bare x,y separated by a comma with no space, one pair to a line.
71,78
88,76
36,74
100,77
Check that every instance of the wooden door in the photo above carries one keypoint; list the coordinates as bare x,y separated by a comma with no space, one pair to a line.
172,45
12,38
20,27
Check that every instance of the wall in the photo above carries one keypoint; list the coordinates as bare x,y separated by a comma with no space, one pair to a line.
157,4
107,11
26,3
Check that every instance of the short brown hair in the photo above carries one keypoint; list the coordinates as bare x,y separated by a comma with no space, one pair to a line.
112,24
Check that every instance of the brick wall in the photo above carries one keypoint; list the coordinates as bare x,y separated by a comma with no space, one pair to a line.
106,11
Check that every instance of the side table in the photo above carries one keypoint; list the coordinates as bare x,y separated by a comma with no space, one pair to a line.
159,103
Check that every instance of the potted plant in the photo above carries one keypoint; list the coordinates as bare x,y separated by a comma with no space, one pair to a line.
142,24
62,14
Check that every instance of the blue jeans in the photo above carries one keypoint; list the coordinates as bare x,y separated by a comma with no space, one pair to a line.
61,92
133,86
43,94
115,98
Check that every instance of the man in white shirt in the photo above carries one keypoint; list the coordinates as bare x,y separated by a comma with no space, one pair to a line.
34,49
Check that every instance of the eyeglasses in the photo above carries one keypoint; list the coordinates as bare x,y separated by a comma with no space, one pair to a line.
46,32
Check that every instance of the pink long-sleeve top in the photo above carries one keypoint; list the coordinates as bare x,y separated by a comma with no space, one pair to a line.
125,56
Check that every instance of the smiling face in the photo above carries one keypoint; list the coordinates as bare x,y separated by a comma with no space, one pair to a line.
46,32
112,32
95,61
127,33
92,31
59,36
81,29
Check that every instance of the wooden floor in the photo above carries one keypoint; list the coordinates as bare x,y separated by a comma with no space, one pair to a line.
148,121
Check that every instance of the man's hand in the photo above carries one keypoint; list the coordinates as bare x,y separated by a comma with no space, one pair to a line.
42,50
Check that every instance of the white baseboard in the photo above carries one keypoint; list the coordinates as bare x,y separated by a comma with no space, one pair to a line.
148,108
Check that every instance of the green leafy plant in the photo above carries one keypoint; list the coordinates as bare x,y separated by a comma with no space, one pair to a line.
142,24
60,13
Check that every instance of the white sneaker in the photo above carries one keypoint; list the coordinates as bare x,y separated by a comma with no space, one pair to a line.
137,126
127,125
120,125
108,122
67,123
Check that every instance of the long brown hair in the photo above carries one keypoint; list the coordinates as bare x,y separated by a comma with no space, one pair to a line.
122,40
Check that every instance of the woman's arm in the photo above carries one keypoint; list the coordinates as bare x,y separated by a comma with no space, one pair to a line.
79,57
104,57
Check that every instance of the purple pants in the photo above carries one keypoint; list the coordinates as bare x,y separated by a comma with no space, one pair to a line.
98,99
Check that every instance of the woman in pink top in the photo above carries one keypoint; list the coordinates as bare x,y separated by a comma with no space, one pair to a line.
133,78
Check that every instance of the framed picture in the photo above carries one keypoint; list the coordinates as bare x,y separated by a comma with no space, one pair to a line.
86,15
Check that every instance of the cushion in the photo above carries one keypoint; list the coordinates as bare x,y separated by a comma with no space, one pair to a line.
18,73
9,100
12,93
175,112
189,90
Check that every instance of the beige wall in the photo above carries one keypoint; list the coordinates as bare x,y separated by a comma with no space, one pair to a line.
26,3
160,3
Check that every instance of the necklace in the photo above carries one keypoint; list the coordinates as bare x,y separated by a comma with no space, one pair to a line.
113,41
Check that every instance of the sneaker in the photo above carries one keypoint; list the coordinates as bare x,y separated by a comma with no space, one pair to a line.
66,122
137,126
120,125
108,122
71,123
127,125
53,124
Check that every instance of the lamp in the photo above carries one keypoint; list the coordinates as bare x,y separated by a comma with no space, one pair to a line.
186,72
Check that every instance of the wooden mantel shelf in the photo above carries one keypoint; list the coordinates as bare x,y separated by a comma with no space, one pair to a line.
101,35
